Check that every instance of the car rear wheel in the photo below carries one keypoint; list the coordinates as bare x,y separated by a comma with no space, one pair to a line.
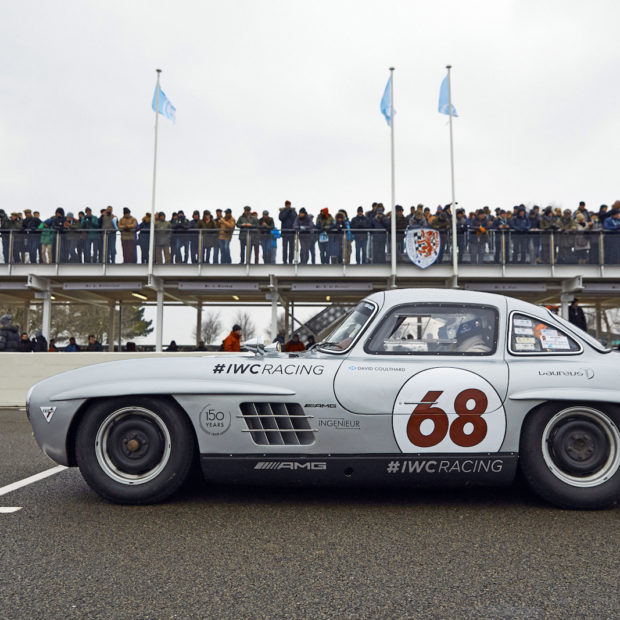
134,450
570,455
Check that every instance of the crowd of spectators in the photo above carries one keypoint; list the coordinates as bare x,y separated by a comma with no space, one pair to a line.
516,235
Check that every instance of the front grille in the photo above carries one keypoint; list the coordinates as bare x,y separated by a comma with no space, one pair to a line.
277,424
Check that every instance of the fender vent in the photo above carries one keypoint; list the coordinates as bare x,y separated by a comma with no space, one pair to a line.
277,424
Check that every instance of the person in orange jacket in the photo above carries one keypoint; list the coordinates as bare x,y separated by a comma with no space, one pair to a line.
232,342
294,344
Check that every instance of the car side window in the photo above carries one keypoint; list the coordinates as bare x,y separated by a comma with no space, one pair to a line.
436,329
529,336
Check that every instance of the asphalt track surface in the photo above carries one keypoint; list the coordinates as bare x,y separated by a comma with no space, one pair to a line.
243,552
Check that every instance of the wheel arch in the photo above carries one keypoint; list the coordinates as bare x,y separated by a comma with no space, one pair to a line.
81,412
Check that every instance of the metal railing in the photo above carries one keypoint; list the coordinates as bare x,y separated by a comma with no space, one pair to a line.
349,247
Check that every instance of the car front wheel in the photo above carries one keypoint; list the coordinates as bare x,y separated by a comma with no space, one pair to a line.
134,450
570,455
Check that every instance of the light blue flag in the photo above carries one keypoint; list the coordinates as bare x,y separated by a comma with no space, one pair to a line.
444,99
165,107
385,102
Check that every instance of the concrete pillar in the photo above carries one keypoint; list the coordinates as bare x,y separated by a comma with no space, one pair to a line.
198,322
274,316
159,320
120,326
565,300
46,323
111,322
26,324
599,322
286,321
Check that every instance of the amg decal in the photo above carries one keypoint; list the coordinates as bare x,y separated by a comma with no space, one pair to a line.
438,466
291,465
320,405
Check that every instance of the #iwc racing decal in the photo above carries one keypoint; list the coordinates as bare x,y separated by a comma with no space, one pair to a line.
444,410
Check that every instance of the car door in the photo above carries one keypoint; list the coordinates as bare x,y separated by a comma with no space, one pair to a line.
435,373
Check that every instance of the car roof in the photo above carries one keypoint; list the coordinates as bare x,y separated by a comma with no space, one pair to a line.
440,295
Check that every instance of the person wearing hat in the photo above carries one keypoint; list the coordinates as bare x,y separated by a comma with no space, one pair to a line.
549,224
232,342
144,238
360,226
15,225
520,226
379,225
227,228
70,240
180,237
576,315
324,222
90,227
304,227
401,227
287,218
294,345
611,227
30,233
208,232
109,225
247,225
128,226
162,239
566,244
266,228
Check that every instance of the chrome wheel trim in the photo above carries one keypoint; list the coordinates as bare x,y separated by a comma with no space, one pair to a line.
604,424
101,446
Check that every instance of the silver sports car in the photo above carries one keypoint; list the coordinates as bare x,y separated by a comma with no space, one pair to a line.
415,387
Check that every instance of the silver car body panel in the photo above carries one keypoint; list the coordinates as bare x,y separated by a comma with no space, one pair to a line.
355,403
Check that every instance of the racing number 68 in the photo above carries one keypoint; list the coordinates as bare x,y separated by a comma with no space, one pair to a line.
425,411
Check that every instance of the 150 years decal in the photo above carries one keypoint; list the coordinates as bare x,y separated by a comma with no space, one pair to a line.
448,410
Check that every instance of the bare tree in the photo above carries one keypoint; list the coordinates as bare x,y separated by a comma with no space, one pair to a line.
280,326
248,328
211,327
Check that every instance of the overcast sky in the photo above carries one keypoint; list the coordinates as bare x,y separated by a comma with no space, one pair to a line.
280,100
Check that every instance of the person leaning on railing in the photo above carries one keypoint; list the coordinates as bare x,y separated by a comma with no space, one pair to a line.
611,227
227,227
162,239
265,227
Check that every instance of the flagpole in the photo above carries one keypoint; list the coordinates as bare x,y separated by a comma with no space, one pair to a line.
455,260
152,234
393,218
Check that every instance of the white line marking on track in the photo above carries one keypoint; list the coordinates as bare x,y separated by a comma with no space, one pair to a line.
26,481
9,509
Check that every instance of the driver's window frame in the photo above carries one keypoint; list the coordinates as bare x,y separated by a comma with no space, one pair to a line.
361,332
448,306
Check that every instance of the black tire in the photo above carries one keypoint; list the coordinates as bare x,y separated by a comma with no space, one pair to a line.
134,450
570,454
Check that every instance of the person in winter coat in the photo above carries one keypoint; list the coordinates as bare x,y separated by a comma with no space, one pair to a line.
247,225
294,345
39,342
209,229
92,236
144,238
180,237
379,225
337,239
478,237
9,334
128,226
25,344
304,226
227,227
576,315
287,218
265,226
162,239
360,225
568,226
611,240
323,223
232,342
519,225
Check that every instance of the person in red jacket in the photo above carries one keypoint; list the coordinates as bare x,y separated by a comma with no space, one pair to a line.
232,342
294,345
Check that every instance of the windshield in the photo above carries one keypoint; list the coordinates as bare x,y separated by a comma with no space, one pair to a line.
593,342
344,335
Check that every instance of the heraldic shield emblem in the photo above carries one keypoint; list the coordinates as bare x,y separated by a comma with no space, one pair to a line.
423,246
